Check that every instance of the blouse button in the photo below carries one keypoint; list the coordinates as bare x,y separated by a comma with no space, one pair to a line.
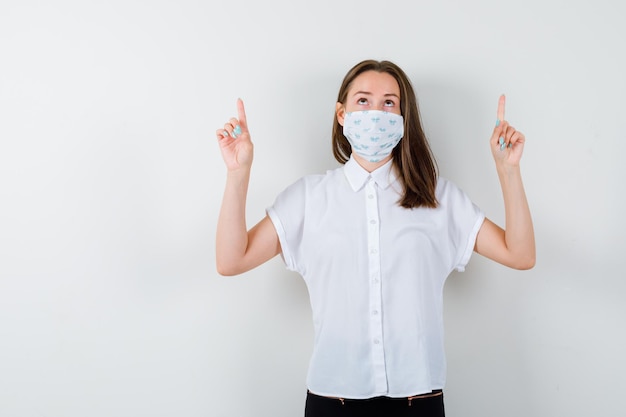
372,221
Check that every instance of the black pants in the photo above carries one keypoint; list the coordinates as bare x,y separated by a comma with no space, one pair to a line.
424,406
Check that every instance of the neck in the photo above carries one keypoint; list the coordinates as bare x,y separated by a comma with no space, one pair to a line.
370,166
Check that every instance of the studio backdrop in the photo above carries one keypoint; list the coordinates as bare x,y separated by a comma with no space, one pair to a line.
111,182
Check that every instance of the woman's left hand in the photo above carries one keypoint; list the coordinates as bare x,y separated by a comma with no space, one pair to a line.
507,144
513,246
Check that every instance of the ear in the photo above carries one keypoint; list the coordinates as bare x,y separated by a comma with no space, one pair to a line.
340,111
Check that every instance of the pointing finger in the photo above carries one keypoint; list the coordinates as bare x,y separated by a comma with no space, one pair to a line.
501,104
241,111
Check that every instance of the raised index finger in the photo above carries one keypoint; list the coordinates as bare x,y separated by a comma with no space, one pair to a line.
241,112
501,103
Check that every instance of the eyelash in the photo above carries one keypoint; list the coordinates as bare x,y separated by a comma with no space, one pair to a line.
389,103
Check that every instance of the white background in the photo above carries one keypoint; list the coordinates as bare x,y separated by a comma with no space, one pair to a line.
111,181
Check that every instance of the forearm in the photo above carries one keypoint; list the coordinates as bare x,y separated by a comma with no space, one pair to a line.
519,233
232,232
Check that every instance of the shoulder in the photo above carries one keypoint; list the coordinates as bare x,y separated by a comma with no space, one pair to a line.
445,187
448,193
311,182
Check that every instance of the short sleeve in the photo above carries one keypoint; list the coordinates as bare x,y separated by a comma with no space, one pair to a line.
287,215
464,219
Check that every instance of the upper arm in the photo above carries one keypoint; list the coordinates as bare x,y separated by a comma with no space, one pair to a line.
262,246
263,242
491,243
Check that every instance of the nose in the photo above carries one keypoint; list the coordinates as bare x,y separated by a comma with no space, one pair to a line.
380,106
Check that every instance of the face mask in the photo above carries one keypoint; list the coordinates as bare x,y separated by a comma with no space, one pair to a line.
373,134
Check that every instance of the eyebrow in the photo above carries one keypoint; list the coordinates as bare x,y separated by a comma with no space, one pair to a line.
368,93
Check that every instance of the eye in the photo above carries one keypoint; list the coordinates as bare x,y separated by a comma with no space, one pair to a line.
362,101
389,103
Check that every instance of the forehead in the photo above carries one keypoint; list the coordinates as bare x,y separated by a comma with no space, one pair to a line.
374,82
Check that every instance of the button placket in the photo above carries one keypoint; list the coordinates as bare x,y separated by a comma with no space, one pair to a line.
375,299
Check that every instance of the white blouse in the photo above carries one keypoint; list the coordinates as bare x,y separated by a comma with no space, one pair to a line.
375,273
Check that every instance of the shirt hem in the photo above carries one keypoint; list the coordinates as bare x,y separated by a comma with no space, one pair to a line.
282,238
374,395
467,254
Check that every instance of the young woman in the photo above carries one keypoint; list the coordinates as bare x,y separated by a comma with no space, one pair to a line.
375,241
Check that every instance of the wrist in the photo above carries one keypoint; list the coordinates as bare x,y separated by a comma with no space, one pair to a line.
241,171
505,169
238,176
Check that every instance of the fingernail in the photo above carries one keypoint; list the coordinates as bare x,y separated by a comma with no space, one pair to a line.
226,134
501,140
510,145
237,130
497,122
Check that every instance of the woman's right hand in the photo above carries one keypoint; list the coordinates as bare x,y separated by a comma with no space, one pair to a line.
234,141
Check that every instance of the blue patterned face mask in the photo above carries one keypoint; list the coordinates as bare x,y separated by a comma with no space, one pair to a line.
373,133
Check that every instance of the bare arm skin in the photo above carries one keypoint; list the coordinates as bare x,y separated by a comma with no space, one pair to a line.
238,249
513,246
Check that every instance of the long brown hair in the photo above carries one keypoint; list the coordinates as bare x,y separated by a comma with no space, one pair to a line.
412,158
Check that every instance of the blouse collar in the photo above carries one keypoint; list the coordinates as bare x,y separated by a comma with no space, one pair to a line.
357,176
